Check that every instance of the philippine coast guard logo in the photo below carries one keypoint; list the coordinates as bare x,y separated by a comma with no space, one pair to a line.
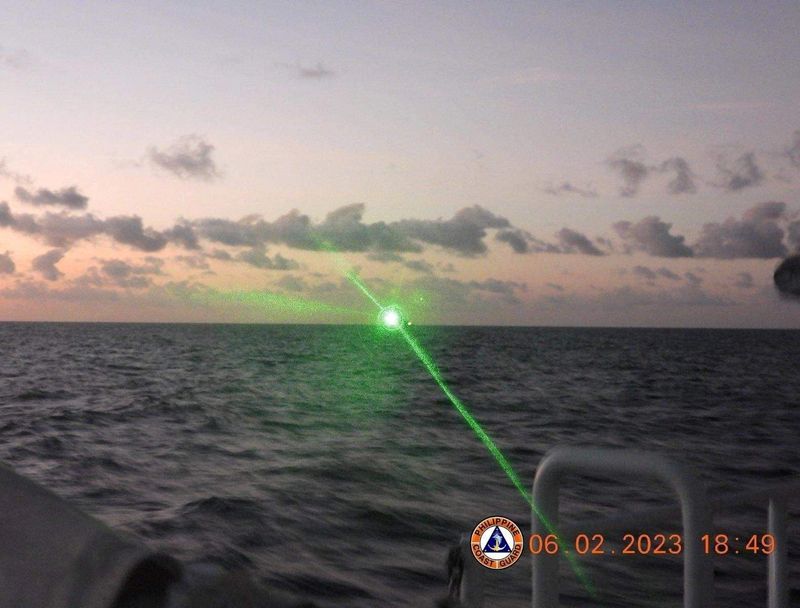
496,542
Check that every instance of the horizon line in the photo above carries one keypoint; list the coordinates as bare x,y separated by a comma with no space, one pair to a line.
422,325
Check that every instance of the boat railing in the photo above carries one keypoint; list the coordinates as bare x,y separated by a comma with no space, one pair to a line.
694,509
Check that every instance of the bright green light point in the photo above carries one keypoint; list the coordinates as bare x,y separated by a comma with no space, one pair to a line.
391,318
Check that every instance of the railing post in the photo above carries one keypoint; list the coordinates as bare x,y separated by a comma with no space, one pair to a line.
545,579
696,517
778,587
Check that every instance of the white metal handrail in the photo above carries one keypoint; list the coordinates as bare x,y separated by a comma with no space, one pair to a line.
695,510
648,518
695,513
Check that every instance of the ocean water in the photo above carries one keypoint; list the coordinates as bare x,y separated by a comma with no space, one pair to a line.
324,460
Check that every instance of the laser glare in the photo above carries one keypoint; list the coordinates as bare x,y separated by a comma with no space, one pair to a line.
391,318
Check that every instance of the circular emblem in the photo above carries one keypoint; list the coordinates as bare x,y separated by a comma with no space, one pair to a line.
496,542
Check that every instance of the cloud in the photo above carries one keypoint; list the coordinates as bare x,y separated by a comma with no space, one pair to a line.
385,257
257,257
744,280
506,289
19,178
690,295
460,294
570,188
228,232
517,239
687,295
132,282
522,241
743,173
198,262
6,217
63,229
692,278
463,233
759,234
344,230
220,254
628,299
129,230
7,265
607,244
291,282
684,180
575,242
117,269
651,275
418,266
45,264
756,235
281,263
125,274
66,197
787,277
628,164
793,151
793,234
317,72
190,157
667,274
652,236
645,273
78,291
183,233
122,268
24,223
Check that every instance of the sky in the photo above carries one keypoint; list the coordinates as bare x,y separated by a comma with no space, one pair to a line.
516,163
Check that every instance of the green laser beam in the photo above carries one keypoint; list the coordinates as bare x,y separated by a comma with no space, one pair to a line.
395,321
430,365
353,277
490,445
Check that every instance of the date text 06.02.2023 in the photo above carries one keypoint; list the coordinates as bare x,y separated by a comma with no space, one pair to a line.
651,544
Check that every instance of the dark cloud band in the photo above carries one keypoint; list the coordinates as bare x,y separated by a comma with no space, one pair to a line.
66,197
